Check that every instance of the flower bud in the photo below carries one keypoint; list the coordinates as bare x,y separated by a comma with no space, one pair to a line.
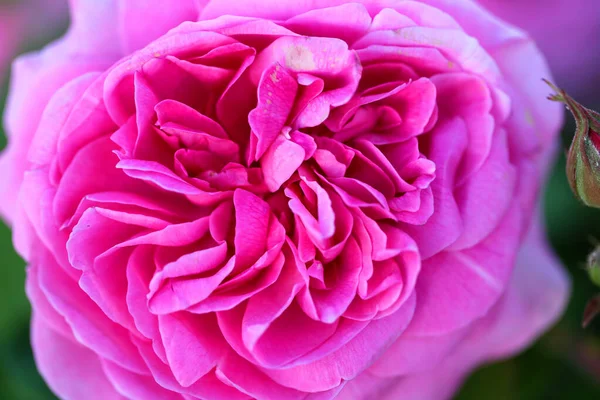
583,159
592,309
593,266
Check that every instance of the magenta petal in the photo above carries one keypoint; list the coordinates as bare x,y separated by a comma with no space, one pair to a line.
82,177
276,94
36,197
201,140
207,386
91,327
421,200
280,161
173,235
347,22
142,22
134,386
157,174
119,84
469,97
302,335
332,302
416,105
315,56
179,114
106,283
346,330
445,225
455,288
139,273
275,10
537,295
236,372
228,298
71,370
44,146
191,264
36,78
456,44
87,121
535,298
416,354
307,142
44,311
130,201
170,292
423,14
193,345
252,222
322,227
86,244
350,360
481,214
264,307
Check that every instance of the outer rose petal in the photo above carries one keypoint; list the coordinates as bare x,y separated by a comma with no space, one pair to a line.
560,28
123,26
536,297
279,10
141,21
36,77
92,43
518,59
72,371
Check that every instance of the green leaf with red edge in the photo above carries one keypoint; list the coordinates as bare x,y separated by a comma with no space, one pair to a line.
592,310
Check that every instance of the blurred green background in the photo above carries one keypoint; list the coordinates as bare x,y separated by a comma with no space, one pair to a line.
564,364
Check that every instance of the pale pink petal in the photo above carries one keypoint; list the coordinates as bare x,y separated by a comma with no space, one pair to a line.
347,22
90,325
536,297
135,386
142,22
457,287
481,213
71,370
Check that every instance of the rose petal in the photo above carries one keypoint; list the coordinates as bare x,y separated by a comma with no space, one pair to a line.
56,354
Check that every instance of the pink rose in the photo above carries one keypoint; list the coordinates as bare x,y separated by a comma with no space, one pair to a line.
567,32
278,199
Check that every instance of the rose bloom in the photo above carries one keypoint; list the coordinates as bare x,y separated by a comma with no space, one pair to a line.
280,199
